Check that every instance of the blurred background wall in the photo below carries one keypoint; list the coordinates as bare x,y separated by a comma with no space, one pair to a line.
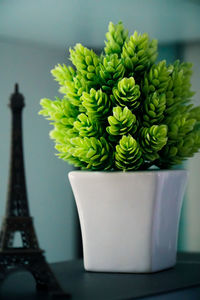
34,37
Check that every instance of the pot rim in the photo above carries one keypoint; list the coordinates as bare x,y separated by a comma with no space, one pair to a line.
150,171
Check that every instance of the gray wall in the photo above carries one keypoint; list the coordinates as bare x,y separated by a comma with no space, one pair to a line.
50,196
191,222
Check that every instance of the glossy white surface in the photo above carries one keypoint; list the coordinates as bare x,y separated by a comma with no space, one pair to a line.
129,221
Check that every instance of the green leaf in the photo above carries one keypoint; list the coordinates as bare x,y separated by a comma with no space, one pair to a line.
122,122
128,155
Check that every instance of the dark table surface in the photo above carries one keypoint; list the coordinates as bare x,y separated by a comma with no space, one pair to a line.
110,286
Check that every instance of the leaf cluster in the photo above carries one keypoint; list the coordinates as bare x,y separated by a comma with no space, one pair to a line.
122,110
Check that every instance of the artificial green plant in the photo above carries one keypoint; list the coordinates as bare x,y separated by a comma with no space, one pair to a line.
122,110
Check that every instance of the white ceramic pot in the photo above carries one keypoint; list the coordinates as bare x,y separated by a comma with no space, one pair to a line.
129,220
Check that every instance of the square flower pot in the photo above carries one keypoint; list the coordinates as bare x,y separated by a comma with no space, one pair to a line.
129,220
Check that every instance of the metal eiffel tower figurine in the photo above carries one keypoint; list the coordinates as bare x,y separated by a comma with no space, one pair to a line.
18,218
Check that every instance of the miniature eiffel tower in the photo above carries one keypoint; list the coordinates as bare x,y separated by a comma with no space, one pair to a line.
18,218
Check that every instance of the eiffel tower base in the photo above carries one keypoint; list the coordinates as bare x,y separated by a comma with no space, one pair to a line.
34,262
29,257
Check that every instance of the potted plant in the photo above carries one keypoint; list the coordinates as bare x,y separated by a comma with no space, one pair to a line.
125,120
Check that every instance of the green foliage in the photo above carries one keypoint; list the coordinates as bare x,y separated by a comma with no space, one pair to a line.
63,74
96,103
111,70
116,36
156,79
86,63
121,110
139,53
175,153
122,122
153,109
127,93
195,113
152,140
179,124
59,111
93,152
86,127
128,155
178,91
